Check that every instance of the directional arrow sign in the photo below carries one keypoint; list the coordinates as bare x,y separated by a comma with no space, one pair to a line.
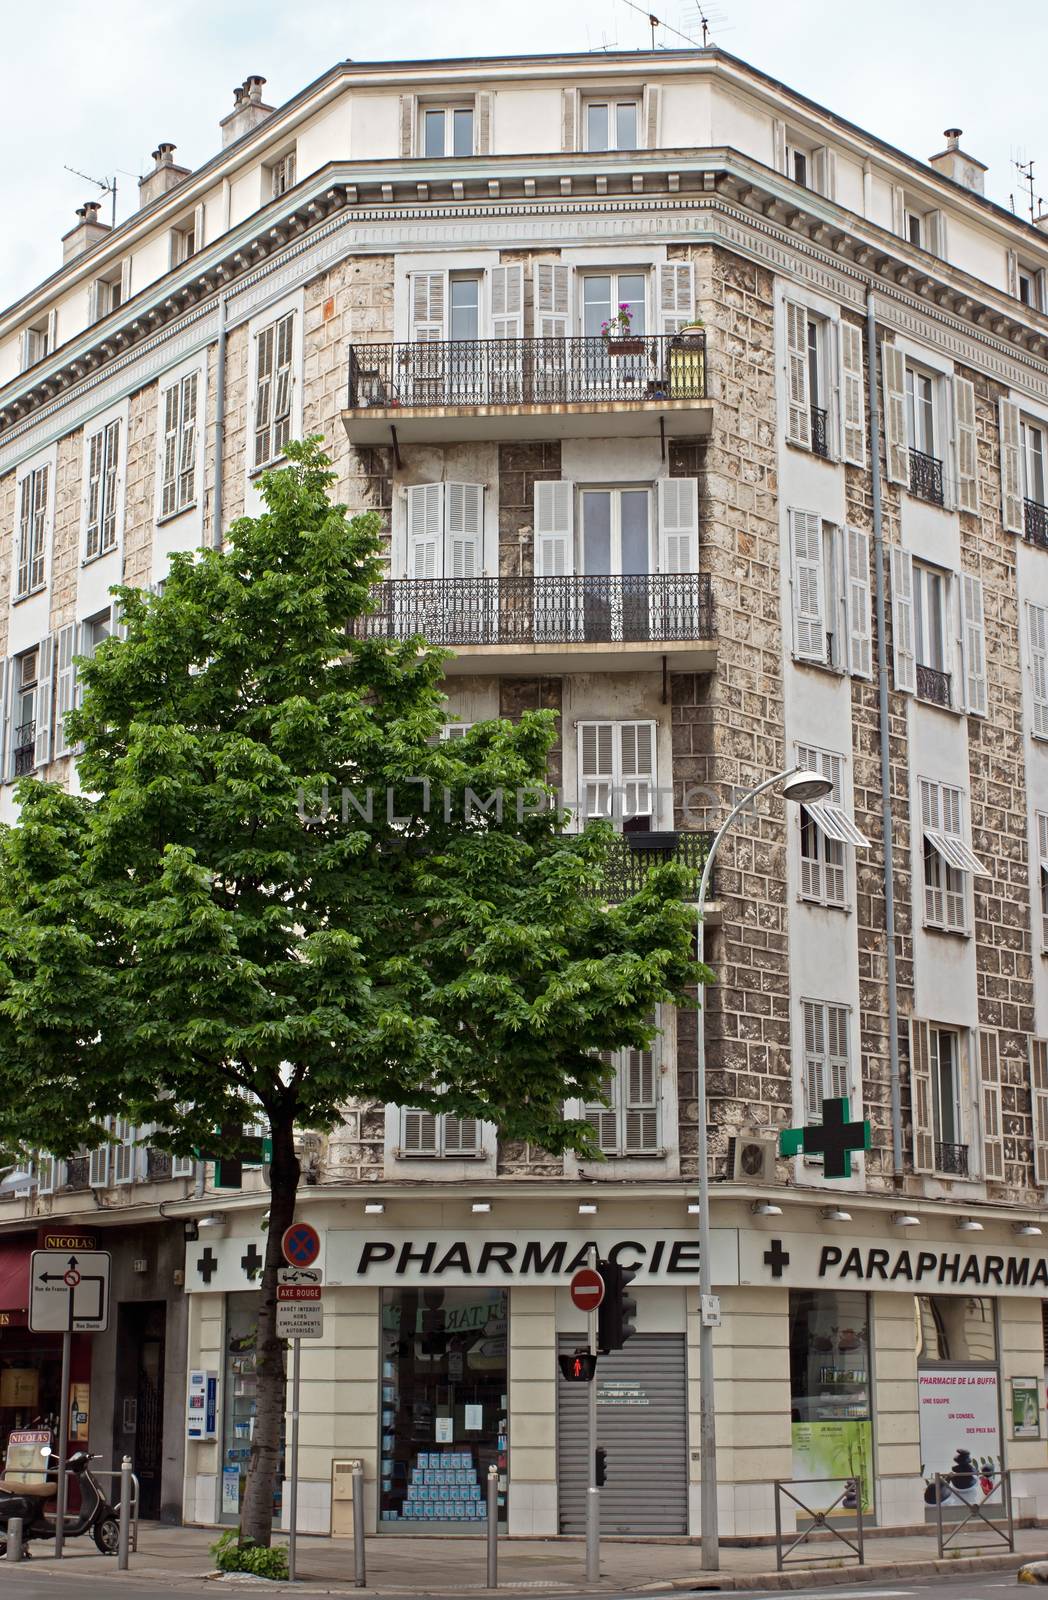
69,1291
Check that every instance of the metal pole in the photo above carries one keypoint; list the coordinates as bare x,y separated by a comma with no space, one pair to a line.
14,1539
292,1538
125,1515
359,1570
63,1439
493,1526
592,1492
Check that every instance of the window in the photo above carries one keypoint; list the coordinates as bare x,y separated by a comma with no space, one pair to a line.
811,166
1026,288
604,293
612,124
920,410
826,832
103,452
1033,458
1037,638
929,620
915,228
281,177
797,165
438,1134
814,417
274,347
615,531
28,692
630,1124
817,588
178,486
32,531
109,295
445,530
616,770
125,1151
948,860
447,131
455,730
38,341
946,1098
826,1071
1042,852
923,636
183,244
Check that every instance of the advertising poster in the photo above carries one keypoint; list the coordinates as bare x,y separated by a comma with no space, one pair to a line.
960,1433
1026,1409
834,1449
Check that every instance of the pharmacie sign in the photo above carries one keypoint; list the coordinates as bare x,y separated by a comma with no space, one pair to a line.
802,1260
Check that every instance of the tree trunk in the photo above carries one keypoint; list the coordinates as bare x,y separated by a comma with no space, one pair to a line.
256,1520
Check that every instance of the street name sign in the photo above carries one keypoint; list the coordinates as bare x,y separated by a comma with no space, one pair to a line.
300,1311
69,1291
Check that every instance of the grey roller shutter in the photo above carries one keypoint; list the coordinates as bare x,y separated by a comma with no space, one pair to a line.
642,1422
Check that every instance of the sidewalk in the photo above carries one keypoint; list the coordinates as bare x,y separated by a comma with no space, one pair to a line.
415,1566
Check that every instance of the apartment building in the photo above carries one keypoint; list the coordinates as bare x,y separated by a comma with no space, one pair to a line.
718,425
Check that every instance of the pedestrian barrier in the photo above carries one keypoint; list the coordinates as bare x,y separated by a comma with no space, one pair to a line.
851,1489
118,1476
1000,1530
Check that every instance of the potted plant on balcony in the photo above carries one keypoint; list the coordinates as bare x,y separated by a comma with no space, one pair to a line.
618,336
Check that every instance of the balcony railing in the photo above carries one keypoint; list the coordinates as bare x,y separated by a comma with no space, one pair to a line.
1035,519
933,686
25,748
661,607
819,441
952,1159
629,863
926,477
533,372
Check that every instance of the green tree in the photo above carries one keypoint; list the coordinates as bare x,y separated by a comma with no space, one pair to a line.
210,924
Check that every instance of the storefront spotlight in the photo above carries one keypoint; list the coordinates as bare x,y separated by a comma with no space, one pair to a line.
1027,1230
214,1220
969,1225
373,1208
765,1208
587,1208
693,1208
905,1219
481,1206
835,1214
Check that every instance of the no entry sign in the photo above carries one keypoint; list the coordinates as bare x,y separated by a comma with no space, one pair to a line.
587,1289
300,1244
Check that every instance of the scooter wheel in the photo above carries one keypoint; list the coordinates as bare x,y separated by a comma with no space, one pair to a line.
106,1535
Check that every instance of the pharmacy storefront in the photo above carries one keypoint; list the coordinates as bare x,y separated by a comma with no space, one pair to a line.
841,1353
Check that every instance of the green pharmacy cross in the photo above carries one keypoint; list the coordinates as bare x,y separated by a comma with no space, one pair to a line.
834,1138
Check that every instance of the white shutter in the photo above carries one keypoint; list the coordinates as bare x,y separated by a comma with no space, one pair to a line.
1037,633
679,524
425,530
1039,1109
651,117
1013,274
65,690
407,124
429,300
507,301
1011,467
596,760
465,523
893,374
567,119
44,700
824,171
904,659
973,644
966,444
7,673
605,1118
798,398
418,1133
94,493
483,117
636,742
853,403
921,1096
676,295
109,484
552,299
935,234
778,145
809,608
169,453
990,1093
857,602
125,1152
899,211
554,500
639,1073
265,344
461,1136
98,1168
187,440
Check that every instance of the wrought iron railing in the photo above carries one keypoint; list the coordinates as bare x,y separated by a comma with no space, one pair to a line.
501,372
659,607
952,1159
819,441
933,685
25,747
1035,520
629,865
77,1172
926,477
158,1165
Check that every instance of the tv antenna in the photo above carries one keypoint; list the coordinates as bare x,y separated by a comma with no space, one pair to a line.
1025,171
106,185
657,22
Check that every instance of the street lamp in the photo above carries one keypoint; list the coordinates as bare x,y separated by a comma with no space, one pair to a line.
799,785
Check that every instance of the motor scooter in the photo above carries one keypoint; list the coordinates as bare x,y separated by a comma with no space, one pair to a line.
36,1504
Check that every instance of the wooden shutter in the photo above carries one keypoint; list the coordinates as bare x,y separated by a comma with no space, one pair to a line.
596,768
651,117
824,171
429,300
169,448
893,377
857,602
507,301
283,383
853,402
1039,1109
407,124
636,764
1037,629
44,701
973,644
464,520
567,119
679,524
552,299
7,675
1013,274
1011,467
921,1096
187,441
554,501
809,608
461,1136
65,684
639,1072
990,1093
124,1152
425,530
110,464
95,448
966,444
418,1132
483,117
265,343
605,1118
798,398
676,295
98,1168
935,234
904,659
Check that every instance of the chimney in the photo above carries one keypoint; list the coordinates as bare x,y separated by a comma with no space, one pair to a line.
248,110
164,176
87,233
954,163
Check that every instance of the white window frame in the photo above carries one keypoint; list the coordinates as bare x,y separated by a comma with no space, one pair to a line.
620,785
828,832
34,526
923,612
1035,644
183,244
961,1075
948,862
108,507
182,448
42,689
824,599
281,174
447,109
611,104
293,305
1034,451
823,1022
1041,829
916,421
38,340
107,294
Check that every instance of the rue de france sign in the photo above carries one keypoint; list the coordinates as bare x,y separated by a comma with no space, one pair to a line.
69,1291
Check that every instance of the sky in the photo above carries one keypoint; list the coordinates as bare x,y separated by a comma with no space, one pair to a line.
113,82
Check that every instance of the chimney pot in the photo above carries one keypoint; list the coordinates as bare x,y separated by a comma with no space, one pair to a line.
248,110
953,136
954,163
163,154
86,231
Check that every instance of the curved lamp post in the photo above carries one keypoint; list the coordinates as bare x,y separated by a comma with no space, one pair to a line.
799,785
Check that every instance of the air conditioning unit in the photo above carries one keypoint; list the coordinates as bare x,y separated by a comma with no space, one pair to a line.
751,1156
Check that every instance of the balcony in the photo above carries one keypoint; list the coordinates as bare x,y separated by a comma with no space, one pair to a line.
819,440
492,389
521,625
951,1159
1035,521
933,686
633,855
926,477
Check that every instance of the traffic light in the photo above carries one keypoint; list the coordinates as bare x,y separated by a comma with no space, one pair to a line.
617,1314
601,1474
579,1368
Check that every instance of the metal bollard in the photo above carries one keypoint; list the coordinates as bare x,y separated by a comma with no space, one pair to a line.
359,1571
14,1550
124,1543
493,1526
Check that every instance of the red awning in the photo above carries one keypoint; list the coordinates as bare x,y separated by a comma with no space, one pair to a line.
14,1277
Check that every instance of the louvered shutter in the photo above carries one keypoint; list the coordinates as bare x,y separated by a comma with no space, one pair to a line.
418,1132
552,299
507,301
893,375
567,119
935,234
465,524
679,524
483,123
1013,274
676,295
110,465
640,1079
554,500
605,1118
283,383
596,768
853,403
857,602
44,701
814,1058
429,300
778,143
407,124
921,1096
94,493
636,767
25,535
265,346
899,211
1011,467
966,444
425,530
904,659
973,644
52,332
798,398
1037,631
824,171
98,1168
461,1136
990,1088
65,686
187,443
1039,1109
651,117
809,616
124,1152
169,473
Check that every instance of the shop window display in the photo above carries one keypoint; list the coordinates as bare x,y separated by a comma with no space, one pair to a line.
239,1406
830,1394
